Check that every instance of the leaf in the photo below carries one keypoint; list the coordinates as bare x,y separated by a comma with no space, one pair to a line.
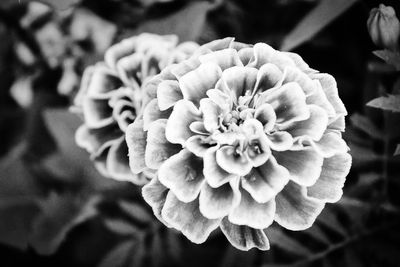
121,227
390,57
320,17
136,211
365,124
397,152
118,257
57,4
390,102
60,214
187,22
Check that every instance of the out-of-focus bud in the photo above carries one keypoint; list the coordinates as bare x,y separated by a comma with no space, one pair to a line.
384,27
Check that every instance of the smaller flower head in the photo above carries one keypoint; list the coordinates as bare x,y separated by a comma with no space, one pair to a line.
111,96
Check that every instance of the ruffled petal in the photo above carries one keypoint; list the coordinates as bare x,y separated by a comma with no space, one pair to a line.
155,194
218,202
135,138
268,77
294,210
118,164
152,113
213,173
304,166
168,93
187,218
293,74
319,98
196,83
158,149
280,141
298,60
266,115
183,175
211,113
237,80
101,82
328,187
93,139
265,182
243,237
178,126
262,54
330,144
97,112
231,162
313,127
337,124
251,213
225,58
329,86
222,99
288,102
198,145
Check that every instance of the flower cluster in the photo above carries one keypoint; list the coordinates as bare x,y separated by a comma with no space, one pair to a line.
239,136
111,96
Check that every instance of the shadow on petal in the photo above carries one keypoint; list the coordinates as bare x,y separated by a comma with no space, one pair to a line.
244,237
187,218
294,210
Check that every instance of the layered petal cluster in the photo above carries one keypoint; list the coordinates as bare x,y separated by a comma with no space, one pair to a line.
111,97
240,136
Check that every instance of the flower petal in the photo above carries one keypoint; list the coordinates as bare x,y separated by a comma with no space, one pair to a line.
154,193
329,86
198,145
289,103
280,141
251,213
187,218
178,125
243,237
211,113
268,77
158,149
314,126
304,166
93,139
135,138
168,93
231,162
97,112
265,182
294,210
266,115
293,74
328,187
213,173
239,79
183,175
218,202
330,144
152,113
225,58
319,98
196,83
100,82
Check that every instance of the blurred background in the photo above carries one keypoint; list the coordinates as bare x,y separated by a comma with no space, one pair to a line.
57,210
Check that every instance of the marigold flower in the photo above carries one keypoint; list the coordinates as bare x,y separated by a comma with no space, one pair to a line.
240,136
111,94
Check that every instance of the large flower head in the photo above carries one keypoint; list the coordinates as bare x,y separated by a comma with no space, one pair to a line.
111,95
240,136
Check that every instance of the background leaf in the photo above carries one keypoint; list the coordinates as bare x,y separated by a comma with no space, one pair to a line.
390,102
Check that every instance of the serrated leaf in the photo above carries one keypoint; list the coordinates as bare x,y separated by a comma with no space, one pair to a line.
59,215
321,16
365,124
390,103
390,57
121,227
278,238
136,211
118,256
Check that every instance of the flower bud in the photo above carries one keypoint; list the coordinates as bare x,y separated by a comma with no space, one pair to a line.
384,27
